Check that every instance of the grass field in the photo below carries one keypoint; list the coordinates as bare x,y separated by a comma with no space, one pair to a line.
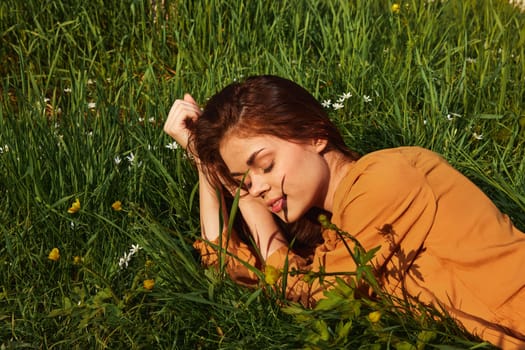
85,167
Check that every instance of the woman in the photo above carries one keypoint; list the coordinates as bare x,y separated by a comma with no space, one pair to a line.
442,240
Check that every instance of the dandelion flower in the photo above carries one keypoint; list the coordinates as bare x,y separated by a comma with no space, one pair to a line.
54,254
117,206
374,316
337,106
77,260
271,274
395,8
326,103
75,207
149,284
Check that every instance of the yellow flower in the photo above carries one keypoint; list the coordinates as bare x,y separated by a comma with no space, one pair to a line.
54,254
149,284
396,8
77,260
374,316
75,207
117,206
271,274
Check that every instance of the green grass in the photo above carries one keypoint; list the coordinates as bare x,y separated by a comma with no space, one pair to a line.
85,82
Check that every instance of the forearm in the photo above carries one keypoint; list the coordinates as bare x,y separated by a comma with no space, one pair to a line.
210,210
265,231
263,228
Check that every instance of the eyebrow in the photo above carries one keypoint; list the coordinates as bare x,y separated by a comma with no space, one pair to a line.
249,162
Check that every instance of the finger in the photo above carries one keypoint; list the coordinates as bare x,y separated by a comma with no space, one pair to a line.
190,99
182,110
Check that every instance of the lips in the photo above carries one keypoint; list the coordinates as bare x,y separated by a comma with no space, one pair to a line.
277,205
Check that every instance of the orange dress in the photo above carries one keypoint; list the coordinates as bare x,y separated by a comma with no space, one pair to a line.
442,241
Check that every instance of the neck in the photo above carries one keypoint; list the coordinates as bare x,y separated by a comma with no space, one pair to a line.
338,165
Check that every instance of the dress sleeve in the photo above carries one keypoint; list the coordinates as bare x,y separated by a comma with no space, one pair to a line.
239,258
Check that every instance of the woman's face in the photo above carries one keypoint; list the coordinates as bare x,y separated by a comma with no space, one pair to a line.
289,178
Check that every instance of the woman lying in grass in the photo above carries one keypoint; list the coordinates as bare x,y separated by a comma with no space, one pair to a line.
443,242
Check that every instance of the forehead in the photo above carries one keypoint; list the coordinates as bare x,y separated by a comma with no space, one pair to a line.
237,149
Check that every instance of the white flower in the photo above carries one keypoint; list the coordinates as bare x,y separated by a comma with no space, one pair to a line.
126,258
131,158
470,60
425,122
326,103
90,82
4,149
337,106
346,95
151,120
367,98
134,249
92,105
340,100
67,90
47,99
450,116
141,119
477,136
117,160
173,145
124,261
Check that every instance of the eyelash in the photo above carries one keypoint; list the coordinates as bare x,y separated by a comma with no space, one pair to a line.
269,168
246,185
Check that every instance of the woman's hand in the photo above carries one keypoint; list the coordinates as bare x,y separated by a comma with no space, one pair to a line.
180,113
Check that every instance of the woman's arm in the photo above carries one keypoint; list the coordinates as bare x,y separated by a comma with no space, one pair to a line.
261,223
263,228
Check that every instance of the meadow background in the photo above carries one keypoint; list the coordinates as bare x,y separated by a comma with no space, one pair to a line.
85,88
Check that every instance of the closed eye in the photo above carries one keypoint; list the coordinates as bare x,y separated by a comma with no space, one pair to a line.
268,168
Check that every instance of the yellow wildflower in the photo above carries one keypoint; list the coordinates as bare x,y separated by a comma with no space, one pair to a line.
374,316
75,207
396,8
117,206
271,274
77,260
149,284
54,254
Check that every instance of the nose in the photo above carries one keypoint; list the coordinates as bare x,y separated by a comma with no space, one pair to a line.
258,186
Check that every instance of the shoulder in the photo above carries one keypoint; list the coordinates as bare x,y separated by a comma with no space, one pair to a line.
386,177
393,166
